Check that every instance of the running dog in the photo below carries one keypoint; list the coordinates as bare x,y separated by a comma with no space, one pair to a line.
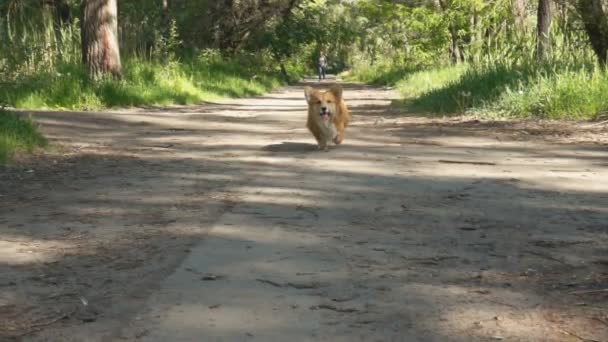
328,115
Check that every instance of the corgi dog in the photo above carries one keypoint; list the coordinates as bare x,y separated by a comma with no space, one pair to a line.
328,115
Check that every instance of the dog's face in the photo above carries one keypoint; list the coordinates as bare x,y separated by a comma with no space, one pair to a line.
323,103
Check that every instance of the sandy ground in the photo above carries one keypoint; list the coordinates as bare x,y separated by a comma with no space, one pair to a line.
221,222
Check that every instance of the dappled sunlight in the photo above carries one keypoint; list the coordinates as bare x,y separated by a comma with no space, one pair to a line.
517,315
495,321
206,176
280,194
263,234
569,183
233,321
16,251
492,321
225,319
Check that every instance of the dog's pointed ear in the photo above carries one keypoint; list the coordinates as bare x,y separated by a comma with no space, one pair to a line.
337,91
308,91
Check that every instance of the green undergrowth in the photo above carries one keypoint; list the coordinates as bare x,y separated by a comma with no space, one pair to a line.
17,134
551,91
144,83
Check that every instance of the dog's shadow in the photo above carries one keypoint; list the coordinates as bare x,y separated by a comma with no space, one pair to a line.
291,147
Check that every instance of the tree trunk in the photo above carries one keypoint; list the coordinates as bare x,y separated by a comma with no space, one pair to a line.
543,42
596,25
284,70
287,10
61,12
225,21
164,16
99,35
454,49
518,7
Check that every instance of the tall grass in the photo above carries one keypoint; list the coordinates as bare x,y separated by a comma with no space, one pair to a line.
384,73
17,134
554,90
422,82
145,82
570,94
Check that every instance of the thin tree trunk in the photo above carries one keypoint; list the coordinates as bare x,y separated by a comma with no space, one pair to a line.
99,35
543,41
596,25
225,24
287,10
164,15
518,7
61,12
563,22
454,49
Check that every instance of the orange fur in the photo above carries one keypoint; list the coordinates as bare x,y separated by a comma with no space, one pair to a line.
332,130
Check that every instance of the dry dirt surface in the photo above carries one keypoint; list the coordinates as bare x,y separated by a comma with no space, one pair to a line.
222,222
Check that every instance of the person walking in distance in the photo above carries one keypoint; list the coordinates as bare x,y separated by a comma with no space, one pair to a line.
322,65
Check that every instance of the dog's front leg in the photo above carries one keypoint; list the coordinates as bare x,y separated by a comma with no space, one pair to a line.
323,144
339,136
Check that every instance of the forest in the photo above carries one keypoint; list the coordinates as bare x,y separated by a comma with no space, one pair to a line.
497,58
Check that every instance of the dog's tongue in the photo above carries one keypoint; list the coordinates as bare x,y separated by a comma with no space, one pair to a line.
325,117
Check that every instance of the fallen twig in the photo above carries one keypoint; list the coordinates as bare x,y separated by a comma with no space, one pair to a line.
37,326
564,331
297,285
305,285
546,256
211,277
270,282
333,308
588,291
464,162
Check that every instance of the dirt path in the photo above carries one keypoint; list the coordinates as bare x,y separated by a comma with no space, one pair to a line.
222,222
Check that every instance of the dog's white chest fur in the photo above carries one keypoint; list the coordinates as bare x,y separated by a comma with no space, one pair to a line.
328,128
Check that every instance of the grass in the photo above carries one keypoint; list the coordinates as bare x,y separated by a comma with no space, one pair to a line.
423,82
382,74
143,83
17,134
552,91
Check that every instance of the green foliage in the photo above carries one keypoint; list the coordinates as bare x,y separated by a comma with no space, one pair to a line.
430,80
207,76
499,75
552,90
166,46
379,74
477,87
17,134
414,35
572,94
546,91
